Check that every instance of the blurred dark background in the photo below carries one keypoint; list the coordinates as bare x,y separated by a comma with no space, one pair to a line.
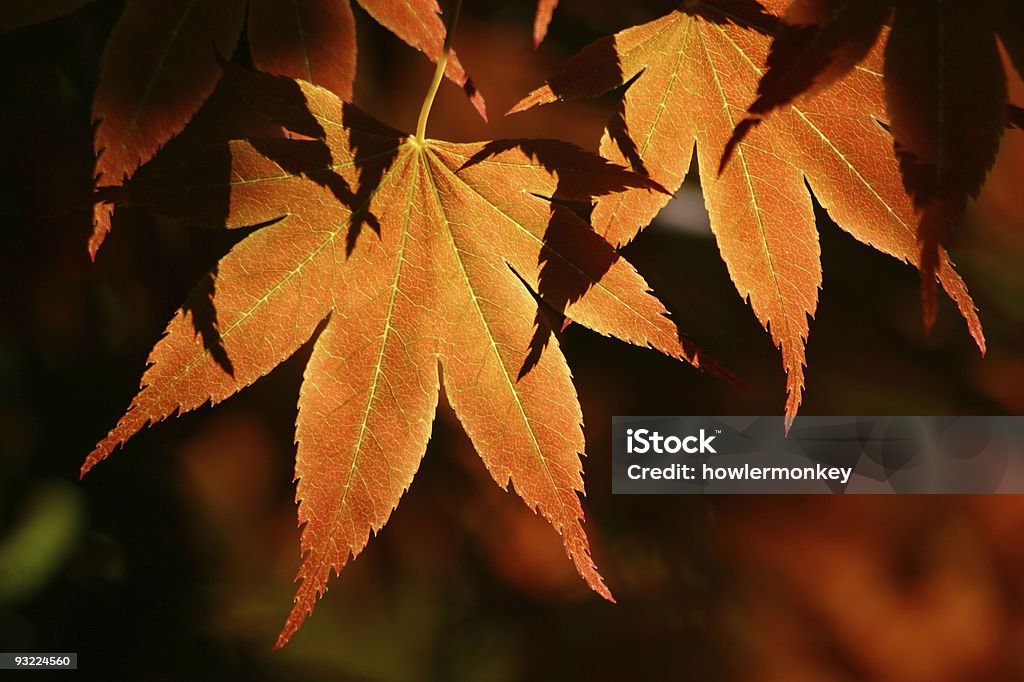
174,560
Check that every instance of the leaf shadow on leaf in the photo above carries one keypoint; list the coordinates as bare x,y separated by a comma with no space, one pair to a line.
282,101
196,187
548,322
200,307
276,98
158,186
598,69
820,45
617,130
558,285
573,256
748,14
312,159
371,164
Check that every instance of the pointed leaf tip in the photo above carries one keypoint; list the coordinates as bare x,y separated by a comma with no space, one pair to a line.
542,19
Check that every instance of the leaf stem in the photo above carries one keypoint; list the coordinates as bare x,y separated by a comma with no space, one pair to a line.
428,101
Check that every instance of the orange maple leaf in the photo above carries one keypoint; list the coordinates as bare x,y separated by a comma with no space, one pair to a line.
691,74
945,91
415,255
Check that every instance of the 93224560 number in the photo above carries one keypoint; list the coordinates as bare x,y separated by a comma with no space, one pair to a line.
48,661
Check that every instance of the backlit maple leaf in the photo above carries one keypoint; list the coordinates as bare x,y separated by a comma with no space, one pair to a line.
691,74
945,90
413,255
